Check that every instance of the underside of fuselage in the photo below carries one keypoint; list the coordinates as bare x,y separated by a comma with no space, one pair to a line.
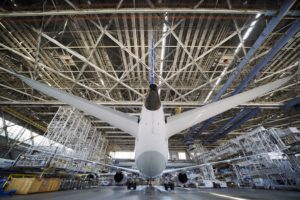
151,163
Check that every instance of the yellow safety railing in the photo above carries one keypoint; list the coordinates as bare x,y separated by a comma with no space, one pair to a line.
24,118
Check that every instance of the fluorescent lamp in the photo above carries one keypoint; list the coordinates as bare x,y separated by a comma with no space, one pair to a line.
102,82
216,84
246,35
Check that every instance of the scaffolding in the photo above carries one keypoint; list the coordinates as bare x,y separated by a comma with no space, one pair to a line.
263,157
205,171
69,141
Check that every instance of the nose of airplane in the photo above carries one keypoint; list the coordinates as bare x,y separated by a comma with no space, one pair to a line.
151,163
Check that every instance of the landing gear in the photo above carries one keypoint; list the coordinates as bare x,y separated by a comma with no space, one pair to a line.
169,185
149,182
131,185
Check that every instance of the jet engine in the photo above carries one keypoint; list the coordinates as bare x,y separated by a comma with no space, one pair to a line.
182,177
119,176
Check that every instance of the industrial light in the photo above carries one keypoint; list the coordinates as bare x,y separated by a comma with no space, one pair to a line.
216,84
249,30
222,74
122,154
251,27
275,155
14,3
102,82
2,25
208,96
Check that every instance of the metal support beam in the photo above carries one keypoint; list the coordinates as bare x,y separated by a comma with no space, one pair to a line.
5,127
229,123
126,73
32,121
143,11
203,55
48,68
189,54
139,60
82,58
219,135
21,92
264,63
237,29
294,103
259,67
260,40
8,141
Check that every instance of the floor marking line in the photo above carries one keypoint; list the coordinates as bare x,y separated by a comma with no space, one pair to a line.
227,196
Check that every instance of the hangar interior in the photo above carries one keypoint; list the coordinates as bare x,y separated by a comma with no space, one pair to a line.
203,51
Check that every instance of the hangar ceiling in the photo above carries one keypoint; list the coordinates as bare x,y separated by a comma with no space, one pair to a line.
100,51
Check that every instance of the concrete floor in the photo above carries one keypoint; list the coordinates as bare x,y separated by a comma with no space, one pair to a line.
142,192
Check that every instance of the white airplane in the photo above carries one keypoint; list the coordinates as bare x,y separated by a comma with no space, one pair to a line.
152,131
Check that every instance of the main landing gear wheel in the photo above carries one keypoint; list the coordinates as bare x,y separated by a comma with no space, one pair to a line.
169,185
131,185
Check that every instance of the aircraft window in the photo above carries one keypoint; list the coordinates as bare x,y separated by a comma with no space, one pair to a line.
181,156
122,155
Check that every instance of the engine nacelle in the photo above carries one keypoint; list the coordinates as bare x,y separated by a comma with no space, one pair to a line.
119,177
182,177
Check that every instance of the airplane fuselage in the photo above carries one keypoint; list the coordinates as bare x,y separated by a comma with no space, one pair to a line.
151,143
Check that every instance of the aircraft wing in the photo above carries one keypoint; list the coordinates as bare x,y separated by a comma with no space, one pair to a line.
115,118
94,162
183,169
119,168
180,122
104,165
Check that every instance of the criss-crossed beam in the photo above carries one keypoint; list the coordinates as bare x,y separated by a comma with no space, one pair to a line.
201,56
189,54
125,74
84,59
123,47
31,59
237,29
138,59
